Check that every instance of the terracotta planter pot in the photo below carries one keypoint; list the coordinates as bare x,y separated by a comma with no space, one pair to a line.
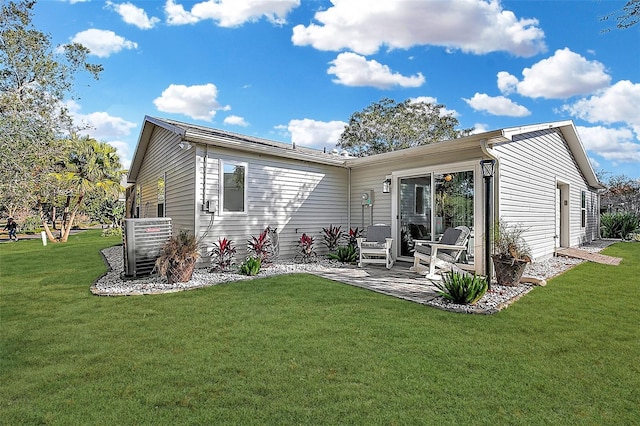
508,271
180,274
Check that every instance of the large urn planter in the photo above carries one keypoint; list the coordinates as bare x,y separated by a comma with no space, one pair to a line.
180,273
508,271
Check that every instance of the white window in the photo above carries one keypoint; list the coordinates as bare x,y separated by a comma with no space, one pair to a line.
233,187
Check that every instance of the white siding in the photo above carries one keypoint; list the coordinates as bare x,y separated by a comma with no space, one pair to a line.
163,157
293,196
530,169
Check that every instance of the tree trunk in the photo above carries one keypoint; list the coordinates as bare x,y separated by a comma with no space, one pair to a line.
45,225
65,236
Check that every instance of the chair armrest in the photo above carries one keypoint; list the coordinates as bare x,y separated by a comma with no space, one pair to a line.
388,242
424,242
447,246
359,240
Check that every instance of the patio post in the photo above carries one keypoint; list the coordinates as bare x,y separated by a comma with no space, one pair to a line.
487,173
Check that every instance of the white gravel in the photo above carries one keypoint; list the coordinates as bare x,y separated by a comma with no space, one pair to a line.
112,284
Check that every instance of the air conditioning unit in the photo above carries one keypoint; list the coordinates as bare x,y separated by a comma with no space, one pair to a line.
142,241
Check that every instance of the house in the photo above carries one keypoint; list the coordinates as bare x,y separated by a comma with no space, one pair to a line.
226,185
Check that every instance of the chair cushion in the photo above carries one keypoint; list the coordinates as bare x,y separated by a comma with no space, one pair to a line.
372,244
450,236
378,233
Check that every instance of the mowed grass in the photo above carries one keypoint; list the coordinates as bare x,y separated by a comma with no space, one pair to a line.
300,349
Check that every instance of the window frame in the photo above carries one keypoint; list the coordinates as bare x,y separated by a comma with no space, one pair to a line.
221,187
583,209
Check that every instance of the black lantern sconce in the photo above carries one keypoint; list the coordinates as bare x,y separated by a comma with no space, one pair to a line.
386,186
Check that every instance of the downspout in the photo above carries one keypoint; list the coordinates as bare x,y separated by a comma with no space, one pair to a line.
349,200
489,152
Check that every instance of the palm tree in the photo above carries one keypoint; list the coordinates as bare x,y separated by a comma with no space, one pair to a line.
88,166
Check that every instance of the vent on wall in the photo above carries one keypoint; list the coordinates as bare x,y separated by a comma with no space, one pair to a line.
142,241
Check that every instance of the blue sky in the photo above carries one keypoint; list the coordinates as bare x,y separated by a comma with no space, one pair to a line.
295,70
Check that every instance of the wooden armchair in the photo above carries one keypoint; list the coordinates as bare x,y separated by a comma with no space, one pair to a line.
376,247
442,254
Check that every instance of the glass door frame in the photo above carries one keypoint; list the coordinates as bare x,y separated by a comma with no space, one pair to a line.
478,196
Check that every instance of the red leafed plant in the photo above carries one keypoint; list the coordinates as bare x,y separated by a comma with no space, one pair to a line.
305,248
332,236
261,246
354,234
222,255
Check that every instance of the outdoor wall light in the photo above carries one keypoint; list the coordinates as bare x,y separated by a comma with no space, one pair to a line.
184,145
448,178
386,186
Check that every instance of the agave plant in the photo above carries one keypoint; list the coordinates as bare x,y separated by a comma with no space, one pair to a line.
462,288
345,254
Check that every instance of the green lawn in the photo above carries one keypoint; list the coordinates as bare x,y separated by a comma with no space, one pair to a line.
304,350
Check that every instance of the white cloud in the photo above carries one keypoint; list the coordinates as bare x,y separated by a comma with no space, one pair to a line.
313,133
198,102
235,120
104,127
133,15
560,76
619,103
497,105
480,128
431,100
507,83
354,70
103,43
230,13
475,26
617,145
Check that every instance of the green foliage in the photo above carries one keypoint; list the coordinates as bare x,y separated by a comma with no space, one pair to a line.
619,225
35,79
331,237
462,288
345,254
222,255
508,242
31,224
389,126
251,266
112,232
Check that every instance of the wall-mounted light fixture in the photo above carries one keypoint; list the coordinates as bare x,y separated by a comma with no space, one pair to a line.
386,186
448,178
184,145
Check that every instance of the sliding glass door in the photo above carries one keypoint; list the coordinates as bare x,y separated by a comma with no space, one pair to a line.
430,203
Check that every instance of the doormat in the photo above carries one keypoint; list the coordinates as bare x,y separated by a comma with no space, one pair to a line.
587,255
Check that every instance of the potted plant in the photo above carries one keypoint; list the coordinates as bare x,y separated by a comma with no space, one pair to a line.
511,254
178,257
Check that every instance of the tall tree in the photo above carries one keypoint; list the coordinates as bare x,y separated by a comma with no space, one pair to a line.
90,167
622,195
389,126
35,78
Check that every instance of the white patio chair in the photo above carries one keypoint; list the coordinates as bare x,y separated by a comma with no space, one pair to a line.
376,247
442,254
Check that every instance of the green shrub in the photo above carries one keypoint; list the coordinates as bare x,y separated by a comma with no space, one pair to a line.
462,288
345,254
31,225
251,266
112,232
619,225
